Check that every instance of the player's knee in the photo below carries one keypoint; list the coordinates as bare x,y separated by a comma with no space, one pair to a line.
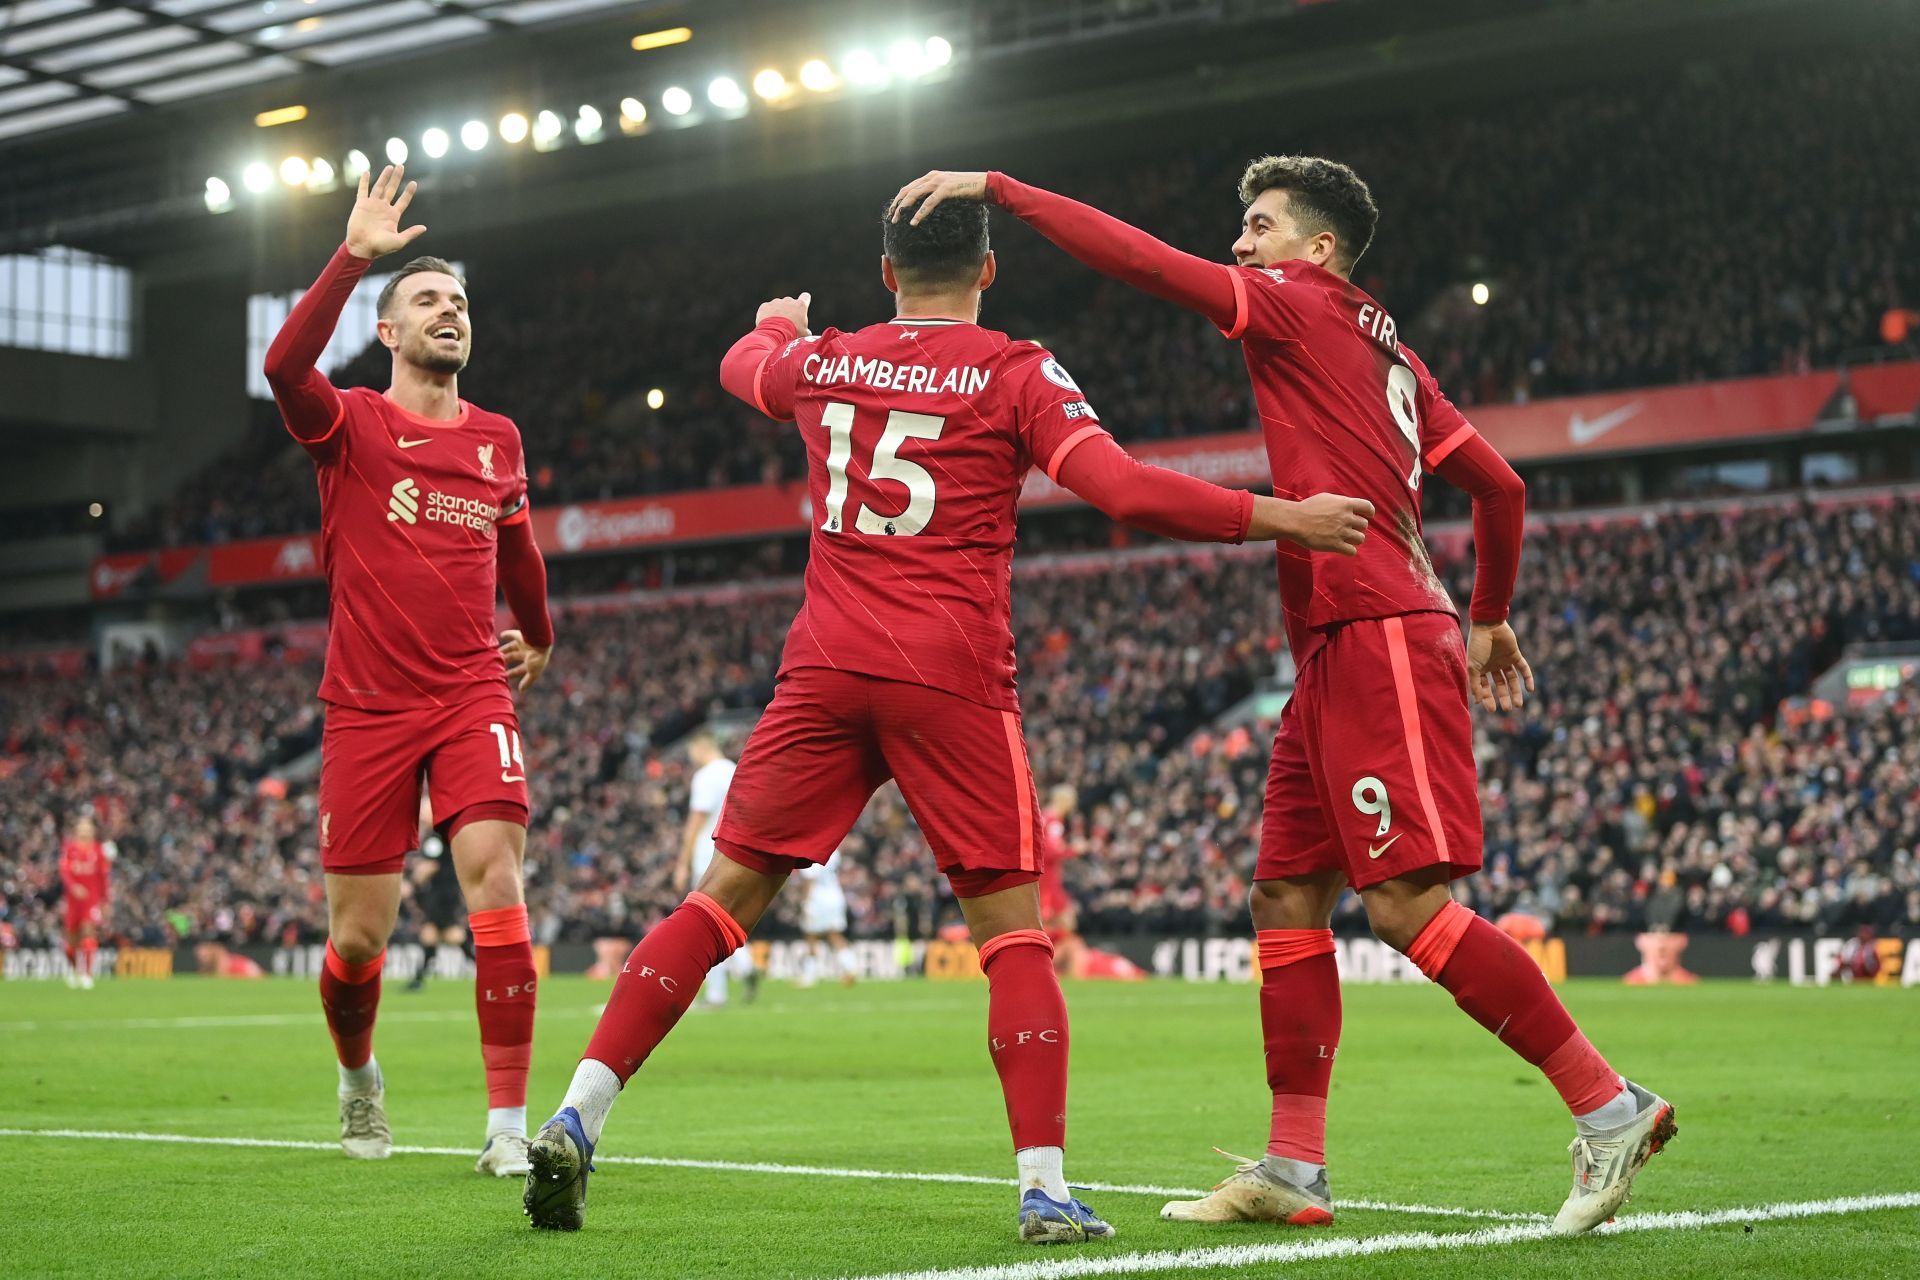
1287,904
495,883
357,941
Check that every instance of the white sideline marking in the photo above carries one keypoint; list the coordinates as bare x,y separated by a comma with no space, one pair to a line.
733,1166
1246,1255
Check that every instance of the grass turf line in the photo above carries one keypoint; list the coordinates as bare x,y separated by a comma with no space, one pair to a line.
1784,1095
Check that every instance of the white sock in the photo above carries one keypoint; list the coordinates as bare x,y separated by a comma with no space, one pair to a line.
849,967
714,989
506,1120
1040,1167
1300,1173
1614,1114
592,1093
362,1078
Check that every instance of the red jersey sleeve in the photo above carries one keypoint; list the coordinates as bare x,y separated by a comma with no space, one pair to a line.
1051,413
310,405
1452,449
764,367
1267,304
514,505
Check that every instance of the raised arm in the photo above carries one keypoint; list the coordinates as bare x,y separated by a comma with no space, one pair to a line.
1180,506
308,402
740,367
1103,242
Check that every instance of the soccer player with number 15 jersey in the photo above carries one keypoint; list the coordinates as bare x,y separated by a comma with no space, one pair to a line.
1372,783
919,432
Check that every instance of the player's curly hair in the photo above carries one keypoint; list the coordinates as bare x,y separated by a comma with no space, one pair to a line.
1324,195
414,267
947,248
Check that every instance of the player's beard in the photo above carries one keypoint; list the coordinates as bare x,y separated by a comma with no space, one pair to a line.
424,353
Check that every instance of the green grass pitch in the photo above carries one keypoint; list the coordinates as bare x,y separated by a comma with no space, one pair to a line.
1784,1095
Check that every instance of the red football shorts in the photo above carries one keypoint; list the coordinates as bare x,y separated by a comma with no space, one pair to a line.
831,738
1373,769
372,764
80,915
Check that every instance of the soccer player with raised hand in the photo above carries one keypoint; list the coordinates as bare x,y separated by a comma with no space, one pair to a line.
919,432
423,518
1373,782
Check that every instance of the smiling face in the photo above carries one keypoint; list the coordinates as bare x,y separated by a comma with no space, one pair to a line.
1304,209
423,317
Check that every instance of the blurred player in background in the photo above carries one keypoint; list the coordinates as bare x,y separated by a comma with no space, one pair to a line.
823,922
1373,779
436,891
85,865
919,432
423,516
1072,957
706,797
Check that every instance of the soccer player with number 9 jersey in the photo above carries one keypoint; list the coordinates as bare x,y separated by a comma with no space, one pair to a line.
1372,783
919,432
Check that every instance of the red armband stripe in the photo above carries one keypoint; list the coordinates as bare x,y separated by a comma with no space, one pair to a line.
1067,446
1239,306
1445,448
759,399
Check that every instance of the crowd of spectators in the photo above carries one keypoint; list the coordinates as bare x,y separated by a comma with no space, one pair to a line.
1740,219
1655,779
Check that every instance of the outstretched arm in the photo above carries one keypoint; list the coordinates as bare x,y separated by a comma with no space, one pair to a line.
1179,506
1103,242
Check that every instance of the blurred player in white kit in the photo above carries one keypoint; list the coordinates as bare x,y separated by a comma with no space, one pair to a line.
707,795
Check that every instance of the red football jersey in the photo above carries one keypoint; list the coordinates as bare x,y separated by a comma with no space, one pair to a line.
83,872
1345,409
409,509
919,433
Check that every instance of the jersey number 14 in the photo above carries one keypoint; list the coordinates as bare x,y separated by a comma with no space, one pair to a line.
887,464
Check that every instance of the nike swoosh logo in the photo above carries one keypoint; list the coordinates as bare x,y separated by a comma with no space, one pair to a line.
408,444
1582,430
1373,852
521,777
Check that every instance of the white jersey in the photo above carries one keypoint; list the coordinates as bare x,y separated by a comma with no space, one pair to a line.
708,795
825,910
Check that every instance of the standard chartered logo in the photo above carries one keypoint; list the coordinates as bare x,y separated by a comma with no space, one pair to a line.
406,506
405,503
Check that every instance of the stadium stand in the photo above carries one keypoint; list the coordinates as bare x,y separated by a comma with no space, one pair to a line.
1655,780
1649,279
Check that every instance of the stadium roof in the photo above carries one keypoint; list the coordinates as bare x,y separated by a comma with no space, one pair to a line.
65,62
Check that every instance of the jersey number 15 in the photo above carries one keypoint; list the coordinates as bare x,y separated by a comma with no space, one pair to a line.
887,464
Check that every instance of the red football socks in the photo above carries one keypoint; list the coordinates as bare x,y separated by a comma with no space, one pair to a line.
1300,1022
660,980
503,987
350,993
1027,1035
89,948
1494,979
